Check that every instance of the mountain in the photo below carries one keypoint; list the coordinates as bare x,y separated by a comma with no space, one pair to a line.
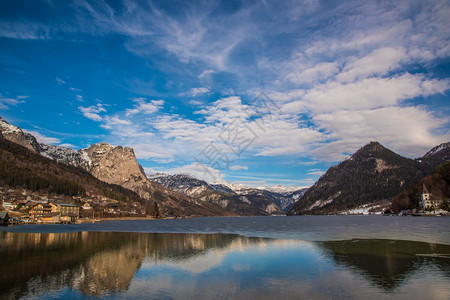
283,197
114,165
371,174
437,155
236,198
217,194
22,168
16,135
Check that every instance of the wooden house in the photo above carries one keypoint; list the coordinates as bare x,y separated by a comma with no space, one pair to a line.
68,212
40,210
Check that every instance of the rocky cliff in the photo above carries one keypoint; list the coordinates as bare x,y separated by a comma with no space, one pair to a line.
16,135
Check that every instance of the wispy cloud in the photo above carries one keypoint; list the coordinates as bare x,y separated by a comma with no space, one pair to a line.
44,139
238,167
6,102
199,91
60,81
145,107
93,112
316,172
196,170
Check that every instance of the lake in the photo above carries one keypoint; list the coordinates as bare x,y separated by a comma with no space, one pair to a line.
307,257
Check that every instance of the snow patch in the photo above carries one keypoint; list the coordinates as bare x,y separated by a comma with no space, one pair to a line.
437,149
7,128
271,208
383,165
320,203
245,200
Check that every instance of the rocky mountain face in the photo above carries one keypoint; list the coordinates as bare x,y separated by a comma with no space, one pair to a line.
113,165
372,174
235,198
16,135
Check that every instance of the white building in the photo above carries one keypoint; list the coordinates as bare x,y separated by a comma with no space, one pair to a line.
427,201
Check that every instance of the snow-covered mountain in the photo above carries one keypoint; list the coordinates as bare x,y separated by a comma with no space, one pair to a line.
281,197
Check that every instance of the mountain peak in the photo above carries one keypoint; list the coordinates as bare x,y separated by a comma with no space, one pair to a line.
373,146
371,149
16,135
440,148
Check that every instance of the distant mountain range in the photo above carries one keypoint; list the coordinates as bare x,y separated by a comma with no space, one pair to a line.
372,174
234,198
180,194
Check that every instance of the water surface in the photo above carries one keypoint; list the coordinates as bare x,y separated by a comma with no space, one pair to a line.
300,259
308,228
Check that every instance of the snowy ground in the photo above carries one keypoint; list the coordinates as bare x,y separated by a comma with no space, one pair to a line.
368,209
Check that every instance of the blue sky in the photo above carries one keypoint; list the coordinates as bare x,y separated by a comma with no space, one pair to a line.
254,92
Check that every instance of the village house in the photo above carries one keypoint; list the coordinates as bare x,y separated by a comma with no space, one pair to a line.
10,205
55,212
428,201
40,210
68,212
52,217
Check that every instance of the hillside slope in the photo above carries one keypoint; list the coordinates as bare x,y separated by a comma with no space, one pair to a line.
438,184
372,174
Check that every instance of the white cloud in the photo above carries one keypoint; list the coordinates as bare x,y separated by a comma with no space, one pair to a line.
238,167
366,93
5,103
225,110
288,96
196,170
153,151
195,102
408,130
316,172
379,62
92,112
206,73
144,107
24,30
317,73
60,81
79,98
67,145
43,139
114,121
194,92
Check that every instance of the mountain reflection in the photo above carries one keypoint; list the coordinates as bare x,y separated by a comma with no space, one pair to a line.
94,263
387,263
104,264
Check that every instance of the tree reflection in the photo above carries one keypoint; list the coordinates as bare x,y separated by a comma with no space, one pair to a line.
387,263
